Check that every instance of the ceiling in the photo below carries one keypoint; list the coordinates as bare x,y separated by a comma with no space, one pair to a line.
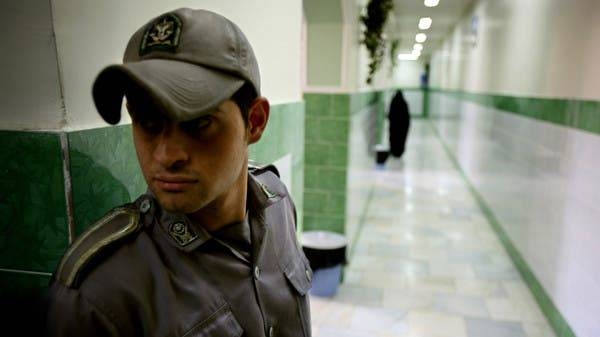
404,23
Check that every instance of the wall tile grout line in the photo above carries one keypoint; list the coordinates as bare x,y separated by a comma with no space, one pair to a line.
28,272
553,315
66,160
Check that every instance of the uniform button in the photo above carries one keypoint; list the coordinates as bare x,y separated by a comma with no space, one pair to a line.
309,275
271,331
256,273
145,206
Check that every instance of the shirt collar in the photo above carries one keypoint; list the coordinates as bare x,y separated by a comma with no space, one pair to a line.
187,235
182,232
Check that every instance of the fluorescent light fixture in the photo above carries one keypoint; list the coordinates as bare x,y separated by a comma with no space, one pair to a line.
407,57
425,23
421,37
418,46
431,3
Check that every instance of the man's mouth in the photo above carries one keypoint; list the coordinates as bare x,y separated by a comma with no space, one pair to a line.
171,183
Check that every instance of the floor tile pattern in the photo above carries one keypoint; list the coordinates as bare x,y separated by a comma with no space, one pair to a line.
424,261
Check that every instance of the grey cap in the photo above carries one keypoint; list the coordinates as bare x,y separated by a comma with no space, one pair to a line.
188,61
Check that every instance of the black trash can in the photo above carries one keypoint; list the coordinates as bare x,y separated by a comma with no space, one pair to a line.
326,252
382,152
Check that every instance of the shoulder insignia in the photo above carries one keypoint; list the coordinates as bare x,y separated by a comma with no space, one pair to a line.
268,193
115,226
257,170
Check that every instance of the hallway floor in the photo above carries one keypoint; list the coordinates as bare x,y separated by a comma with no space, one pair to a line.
425,261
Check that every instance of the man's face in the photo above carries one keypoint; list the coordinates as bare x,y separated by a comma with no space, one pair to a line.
194,164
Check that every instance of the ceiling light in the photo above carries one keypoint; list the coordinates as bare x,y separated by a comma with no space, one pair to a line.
407,57
421,37
418,46
425,23
417,53
431,3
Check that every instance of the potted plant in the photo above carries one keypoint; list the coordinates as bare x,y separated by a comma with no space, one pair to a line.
373,37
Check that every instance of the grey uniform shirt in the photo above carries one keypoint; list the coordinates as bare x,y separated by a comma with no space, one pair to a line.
173,278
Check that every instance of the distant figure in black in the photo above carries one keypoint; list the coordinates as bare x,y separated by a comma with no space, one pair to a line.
399,117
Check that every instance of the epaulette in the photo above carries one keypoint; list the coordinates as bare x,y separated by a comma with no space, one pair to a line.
257,170
117,225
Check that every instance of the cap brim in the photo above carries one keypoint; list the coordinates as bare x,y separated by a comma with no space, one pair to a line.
183,91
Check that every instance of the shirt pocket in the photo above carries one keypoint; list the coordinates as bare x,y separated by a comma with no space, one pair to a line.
221,323
299,275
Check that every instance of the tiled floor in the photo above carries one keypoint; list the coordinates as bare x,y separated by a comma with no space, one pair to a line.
425,262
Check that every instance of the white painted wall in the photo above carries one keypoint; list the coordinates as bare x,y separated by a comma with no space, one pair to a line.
541,48
590,81
30,90
324,54
407,74
92,34
352,66
542,183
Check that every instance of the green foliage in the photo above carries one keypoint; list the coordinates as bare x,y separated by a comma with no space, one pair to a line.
373,38
393,52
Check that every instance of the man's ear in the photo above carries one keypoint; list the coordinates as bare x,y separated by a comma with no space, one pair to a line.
258,116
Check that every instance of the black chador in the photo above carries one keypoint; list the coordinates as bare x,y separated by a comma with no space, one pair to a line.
399,118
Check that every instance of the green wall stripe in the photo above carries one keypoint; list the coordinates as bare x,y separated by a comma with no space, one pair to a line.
361,222
557,321
579,114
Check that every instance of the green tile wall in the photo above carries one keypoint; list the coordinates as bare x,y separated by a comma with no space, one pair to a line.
579,114
23,284
33,234
104,172
285,135
326,155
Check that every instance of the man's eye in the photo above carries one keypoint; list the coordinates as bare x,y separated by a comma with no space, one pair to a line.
202,123
196,125
151,125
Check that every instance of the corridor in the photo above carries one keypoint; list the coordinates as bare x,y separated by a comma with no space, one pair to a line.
425,261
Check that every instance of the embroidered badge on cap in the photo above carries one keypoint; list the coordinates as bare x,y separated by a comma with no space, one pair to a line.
182,233
163,34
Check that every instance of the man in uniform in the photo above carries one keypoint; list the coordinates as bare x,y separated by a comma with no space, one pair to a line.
210,249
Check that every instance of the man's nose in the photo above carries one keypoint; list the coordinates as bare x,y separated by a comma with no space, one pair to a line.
171,150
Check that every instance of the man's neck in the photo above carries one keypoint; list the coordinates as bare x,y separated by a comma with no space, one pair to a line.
226,209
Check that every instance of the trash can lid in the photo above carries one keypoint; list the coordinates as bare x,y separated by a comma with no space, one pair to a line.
323,240
381,147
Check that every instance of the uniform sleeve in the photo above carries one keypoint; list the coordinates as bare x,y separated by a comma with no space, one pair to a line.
71,314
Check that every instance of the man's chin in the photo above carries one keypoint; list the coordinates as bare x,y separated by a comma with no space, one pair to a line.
177,203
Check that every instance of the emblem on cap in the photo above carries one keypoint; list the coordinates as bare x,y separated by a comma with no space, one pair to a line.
162,34
181,233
